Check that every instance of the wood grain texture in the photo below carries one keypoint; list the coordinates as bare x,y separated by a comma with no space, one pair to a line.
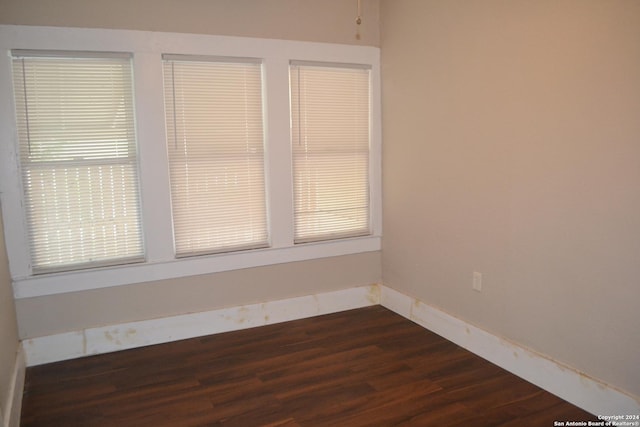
365,367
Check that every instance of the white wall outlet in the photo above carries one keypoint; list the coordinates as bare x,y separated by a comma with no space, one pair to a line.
477,281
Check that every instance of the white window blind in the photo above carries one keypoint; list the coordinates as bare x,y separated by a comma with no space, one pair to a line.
77,142
330,145
215,142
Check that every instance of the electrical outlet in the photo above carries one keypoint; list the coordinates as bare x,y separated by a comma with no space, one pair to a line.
477,281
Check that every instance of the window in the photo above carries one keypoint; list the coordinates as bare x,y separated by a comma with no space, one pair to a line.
215,143
77,150
187,137
330,145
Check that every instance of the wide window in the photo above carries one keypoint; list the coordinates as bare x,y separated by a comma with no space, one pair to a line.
215,142
330,144
77,149
143,156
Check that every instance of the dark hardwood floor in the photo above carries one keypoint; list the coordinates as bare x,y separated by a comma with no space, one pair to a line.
366,367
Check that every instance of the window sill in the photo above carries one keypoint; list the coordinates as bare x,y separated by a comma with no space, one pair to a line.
83,280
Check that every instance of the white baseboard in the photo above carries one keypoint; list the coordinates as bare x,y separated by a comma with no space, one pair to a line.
564,381
71,345
13,405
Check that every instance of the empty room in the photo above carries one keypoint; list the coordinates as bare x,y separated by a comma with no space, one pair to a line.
319,213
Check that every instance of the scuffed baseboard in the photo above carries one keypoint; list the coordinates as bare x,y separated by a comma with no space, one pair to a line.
14,401
71,345
564,381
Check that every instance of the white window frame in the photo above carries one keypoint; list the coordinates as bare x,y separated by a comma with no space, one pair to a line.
147,49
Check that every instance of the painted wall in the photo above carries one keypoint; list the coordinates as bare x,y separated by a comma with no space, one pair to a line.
8,329
40,316
331,21
327,21
512,148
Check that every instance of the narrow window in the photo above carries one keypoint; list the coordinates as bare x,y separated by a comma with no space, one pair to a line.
215,141
77,143
330,137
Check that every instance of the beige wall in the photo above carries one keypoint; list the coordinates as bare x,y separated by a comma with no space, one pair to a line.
72,311
321,21
330,21
512,148
8,329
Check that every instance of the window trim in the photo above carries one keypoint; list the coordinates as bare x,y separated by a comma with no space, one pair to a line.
147,49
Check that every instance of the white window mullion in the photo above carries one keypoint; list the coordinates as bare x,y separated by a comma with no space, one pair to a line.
278,161
154,173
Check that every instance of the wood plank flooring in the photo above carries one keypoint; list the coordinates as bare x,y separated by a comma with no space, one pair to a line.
365,367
